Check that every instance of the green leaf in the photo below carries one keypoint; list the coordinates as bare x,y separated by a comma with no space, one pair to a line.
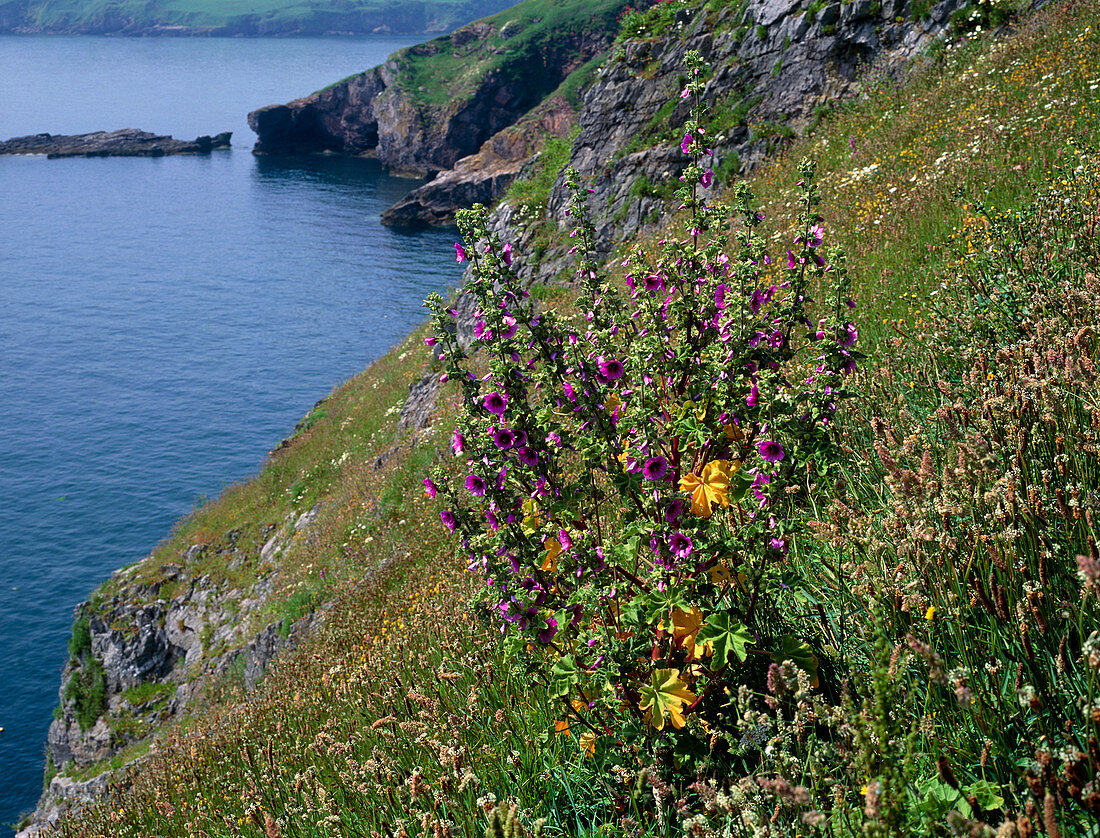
739,486
798,652
563,676
727,635
987,794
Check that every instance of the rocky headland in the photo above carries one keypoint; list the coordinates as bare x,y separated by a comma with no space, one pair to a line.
467,111
127,142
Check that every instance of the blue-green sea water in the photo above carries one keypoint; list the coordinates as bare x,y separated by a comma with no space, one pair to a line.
165,322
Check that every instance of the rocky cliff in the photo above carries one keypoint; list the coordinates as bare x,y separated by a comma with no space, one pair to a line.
142,651
776,64
456,98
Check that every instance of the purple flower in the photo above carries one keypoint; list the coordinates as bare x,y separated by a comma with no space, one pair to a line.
653,282
431,340
817,235
564,540
779,544
448,519
792,262
458,444
510,327
685,145
850,335
680,545
547,634
611,369
675,510
503,438
720,296
495,403
655,468
430,487
770,450
508,253
475,484
482,331
527,457
706,179
460,252
520,437
492,520
753,398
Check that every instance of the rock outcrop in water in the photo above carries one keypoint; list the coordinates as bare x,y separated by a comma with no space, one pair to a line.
127,142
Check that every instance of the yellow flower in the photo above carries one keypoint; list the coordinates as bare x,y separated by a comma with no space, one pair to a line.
709,488
930,614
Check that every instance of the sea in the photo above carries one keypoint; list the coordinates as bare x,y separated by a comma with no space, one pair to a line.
164,322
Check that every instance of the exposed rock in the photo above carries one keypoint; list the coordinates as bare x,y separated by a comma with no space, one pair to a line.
127,142
485,176
62,794
375,112
138,635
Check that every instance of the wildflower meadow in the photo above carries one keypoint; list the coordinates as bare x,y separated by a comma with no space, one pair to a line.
780,522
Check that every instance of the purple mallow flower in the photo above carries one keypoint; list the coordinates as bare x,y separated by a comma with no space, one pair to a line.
508,253
611,369
527,456
495,403
655,468
458,444
475,484
685,144
460,252
547,633
706,179
448,519
503,438
770,450
849,336
680,545
430,487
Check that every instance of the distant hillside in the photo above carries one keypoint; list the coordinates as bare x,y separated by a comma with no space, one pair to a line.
241,17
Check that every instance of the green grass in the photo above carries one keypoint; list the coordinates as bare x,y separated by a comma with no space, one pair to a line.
444,70
532,192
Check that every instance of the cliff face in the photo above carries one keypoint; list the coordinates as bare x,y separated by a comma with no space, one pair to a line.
141,653
775,63
380,113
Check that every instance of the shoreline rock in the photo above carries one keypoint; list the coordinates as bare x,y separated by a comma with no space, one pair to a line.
127,142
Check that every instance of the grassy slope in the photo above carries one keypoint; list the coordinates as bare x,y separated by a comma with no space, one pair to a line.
220,13
401,712
443,70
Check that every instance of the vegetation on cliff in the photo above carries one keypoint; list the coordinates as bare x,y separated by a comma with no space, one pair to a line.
939,574
242,17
